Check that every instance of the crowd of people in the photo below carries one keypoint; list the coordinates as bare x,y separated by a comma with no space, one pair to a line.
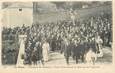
55,34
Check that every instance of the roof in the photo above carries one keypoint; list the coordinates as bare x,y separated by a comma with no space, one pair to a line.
46,6
40,5
21,5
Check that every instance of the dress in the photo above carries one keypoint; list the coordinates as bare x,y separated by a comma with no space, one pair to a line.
45,51
90,56
20,59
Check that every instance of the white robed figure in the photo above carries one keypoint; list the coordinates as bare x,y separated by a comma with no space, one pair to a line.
45,51
90,57
20,60
99,42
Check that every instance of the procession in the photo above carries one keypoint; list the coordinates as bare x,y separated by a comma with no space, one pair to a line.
81,40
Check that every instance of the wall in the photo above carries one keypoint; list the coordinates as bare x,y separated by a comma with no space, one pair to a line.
13,17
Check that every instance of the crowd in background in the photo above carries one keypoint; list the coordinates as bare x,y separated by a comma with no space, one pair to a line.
63,31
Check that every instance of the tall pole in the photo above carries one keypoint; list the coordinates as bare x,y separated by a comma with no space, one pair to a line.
72,16
35,12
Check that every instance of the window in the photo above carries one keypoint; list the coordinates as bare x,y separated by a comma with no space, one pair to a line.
20,9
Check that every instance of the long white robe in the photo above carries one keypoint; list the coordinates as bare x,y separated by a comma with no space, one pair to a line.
99,42
89,56
22,39
100,54
45,51
20,61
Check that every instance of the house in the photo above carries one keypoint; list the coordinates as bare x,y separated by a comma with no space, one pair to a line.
17,14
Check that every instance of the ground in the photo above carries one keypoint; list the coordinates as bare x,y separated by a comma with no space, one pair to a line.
57,59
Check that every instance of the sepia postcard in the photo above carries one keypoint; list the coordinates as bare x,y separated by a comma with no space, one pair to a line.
57,36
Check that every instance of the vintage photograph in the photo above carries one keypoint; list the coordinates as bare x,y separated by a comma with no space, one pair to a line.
62,33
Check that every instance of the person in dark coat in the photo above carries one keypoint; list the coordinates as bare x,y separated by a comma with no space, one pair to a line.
78,52
67,52
34,56
39,51
53,44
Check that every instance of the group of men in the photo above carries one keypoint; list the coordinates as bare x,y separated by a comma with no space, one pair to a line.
53,36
